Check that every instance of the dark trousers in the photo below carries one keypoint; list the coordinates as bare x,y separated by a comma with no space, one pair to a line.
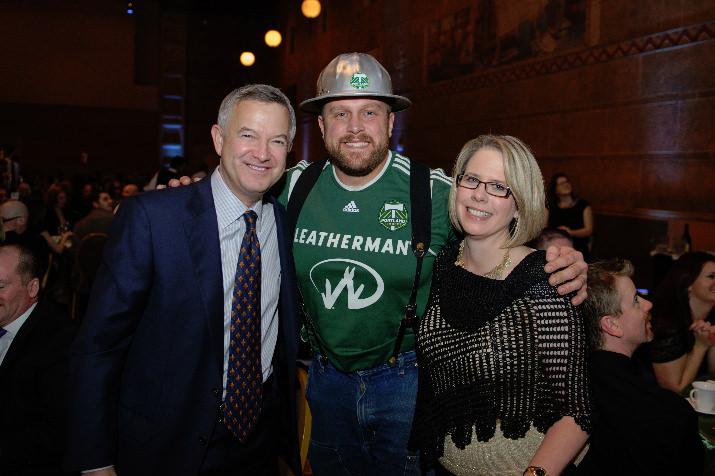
226,456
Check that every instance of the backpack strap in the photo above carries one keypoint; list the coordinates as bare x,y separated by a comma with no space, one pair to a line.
421,210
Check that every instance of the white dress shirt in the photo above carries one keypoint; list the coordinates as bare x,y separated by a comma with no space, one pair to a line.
231,227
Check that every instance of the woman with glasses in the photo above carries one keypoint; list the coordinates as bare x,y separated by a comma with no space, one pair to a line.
502,382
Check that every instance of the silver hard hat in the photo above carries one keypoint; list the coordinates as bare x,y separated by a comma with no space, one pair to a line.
354,75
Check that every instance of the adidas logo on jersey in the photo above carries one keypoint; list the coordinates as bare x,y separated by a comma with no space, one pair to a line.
351,207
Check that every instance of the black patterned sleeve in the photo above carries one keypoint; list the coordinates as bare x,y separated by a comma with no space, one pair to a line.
563,389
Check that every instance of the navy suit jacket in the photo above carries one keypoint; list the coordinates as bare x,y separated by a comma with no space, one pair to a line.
33,394
146,370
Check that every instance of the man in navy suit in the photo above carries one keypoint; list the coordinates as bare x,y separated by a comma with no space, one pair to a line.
34,348
148,369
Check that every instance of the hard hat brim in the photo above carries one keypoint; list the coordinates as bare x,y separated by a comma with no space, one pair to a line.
315,105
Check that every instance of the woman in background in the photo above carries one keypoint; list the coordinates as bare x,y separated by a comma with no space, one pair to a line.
683,321
58,220
503,385
570,213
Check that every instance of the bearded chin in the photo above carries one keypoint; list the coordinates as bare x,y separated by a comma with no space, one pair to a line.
353,164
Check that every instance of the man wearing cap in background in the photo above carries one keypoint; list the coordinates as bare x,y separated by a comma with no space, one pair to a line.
356,269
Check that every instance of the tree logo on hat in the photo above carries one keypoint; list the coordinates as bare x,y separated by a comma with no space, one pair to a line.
359,80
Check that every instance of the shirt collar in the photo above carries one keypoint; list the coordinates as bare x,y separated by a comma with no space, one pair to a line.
14,327
229,207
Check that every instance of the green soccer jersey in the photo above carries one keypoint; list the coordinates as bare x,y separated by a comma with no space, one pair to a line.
353,256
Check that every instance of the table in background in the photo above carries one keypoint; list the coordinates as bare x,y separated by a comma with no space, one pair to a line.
706,425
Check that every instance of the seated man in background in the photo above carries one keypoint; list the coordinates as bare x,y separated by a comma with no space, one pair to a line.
99,219
16,223
552,236
34,351
639,427
128,190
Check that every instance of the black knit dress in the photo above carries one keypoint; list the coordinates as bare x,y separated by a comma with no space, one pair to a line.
510,352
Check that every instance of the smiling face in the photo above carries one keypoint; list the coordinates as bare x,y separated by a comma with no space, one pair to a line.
634,321
357,135
253,148
480,214
703,288
15,297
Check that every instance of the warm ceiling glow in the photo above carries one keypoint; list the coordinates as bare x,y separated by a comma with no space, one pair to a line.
310,8
273,38
247,58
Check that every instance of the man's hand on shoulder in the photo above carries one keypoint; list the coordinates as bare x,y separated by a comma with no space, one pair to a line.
572,271
173,183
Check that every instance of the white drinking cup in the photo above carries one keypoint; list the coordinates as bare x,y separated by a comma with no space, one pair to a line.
703,394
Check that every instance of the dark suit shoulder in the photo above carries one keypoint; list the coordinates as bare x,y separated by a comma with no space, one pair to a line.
32,435
50,326
196,196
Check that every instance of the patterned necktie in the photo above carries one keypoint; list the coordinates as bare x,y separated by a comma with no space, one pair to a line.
244,383
2,332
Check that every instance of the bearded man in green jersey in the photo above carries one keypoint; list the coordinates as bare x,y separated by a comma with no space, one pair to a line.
356,271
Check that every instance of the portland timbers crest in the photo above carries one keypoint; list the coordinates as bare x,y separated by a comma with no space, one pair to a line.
359,80
393,215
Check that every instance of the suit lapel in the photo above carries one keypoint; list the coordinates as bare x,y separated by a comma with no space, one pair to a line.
289,323
204,247
19,339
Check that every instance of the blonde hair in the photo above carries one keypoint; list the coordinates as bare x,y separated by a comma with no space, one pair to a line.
522,175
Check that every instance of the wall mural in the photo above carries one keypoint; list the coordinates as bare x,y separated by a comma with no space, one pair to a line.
492,33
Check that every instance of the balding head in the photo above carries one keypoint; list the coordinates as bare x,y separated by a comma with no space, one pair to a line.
14,216
129,190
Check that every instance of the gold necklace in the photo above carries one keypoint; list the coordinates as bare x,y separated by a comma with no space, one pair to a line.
495,273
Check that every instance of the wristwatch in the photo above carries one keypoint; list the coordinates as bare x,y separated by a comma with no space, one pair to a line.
536,470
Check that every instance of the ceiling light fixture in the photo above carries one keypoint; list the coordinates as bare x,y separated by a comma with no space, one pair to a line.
273,38
310,8
247,58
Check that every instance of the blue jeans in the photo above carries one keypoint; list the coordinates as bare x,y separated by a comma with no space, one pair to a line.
362,420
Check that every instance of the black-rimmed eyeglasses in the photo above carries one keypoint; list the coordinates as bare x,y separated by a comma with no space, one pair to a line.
492,188
5,220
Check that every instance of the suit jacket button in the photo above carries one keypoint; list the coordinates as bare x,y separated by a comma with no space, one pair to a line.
202,440
222,407
215,392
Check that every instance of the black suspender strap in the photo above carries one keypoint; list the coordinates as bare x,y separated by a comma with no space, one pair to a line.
305,183
421,210
303,186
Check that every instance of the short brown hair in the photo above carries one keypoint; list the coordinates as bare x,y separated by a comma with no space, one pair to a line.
603,296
